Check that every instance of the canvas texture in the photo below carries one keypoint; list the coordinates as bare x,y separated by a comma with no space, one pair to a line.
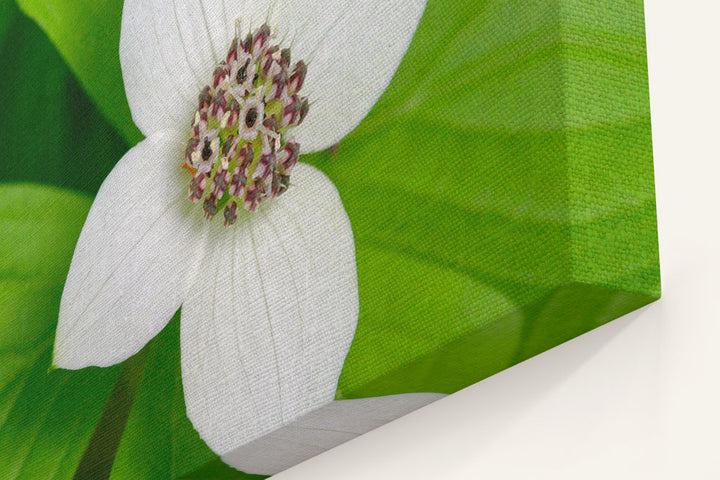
500,198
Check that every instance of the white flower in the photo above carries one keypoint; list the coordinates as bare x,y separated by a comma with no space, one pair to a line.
269,304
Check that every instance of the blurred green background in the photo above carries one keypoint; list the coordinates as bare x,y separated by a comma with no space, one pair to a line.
500,192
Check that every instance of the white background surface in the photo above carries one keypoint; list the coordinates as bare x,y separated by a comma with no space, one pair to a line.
637,398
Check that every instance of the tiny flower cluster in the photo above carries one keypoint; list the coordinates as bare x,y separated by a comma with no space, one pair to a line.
239,152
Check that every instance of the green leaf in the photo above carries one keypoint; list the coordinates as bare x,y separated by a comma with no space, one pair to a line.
500,192
50,131
7,15
87,34
46,417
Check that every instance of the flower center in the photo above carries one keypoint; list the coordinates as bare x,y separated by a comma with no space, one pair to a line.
239,146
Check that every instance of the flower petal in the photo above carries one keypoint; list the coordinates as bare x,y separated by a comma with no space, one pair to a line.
352,50
129,271
167,57
168,51
322,429
265,331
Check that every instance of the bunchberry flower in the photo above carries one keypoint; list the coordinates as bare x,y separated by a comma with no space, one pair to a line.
214,213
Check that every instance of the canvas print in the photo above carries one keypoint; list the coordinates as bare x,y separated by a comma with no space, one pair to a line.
238,233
